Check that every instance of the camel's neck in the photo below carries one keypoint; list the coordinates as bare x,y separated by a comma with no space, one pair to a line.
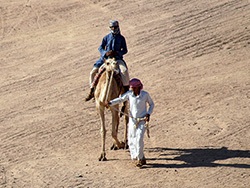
108,87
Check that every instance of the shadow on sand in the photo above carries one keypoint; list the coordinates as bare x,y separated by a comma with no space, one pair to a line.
197,157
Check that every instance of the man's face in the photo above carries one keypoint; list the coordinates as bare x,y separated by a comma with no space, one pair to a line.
136,90
114,29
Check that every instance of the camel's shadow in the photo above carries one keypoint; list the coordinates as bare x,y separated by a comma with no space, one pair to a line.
197,157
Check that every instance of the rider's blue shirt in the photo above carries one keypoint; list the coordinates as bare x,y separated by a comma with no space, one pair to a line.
112,42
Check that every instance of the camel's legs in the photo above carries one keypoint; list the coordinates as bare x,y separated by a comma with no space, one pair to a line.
115,124
103,133
126,118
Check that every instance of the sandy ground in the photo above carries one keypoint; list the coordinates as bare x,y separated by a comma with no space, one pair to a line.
193,58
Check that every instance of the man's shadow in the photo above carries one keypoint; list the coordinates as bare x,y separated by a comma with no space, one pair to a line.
197,157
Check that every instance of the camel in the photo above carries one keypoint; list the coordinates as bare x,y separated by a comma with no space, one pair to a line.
106,90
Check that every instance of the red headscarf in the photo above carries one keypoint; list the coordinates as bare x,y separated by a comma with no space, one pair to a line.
135,83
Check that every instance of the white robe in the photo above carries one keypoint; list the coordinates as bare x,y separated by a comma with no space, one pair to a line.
138,108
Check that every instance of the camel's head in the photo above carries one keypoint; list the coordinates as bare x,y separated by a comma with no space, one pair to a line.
111,64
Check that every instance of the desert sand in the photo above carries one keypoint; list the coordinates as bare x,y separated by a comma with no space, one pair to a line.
192,57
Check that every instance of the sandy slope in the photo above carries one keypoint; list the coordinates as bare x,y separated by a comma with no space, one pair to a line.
193,58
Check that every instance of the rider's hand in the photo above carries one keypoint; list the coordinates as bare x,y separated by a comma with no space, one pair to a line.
147,117
109,53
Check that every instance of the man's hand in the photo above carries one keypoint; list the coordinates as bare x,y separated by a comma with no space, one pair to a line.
108,53
147,117
107,104
111,53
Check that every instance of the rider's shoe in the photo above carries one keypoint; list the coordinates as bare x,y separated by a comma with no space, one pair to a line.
91,94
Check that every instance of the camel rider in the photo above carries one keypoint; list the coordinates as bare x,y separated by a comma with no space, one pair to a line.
113,45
